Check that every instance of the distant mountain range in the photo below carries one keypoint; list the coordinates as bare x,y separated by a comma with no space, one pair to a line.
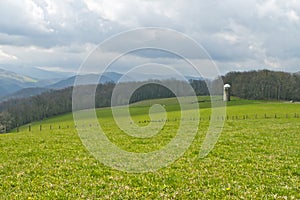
23,93
15,85
11,82
36,73
88,79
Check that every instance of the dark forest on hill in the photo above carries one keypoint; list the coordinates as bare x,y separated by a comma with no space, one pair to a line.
264,85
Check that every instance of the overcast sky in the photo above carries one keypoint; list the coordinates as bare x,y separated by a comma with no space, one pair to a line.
238,34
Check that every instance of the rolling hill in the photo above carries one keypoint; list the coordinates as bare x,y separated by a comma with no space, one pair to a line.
11,82
13,85
24,93
88,79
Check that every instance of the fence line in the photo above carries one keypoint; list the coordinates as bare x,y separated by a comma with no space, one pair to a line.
208,118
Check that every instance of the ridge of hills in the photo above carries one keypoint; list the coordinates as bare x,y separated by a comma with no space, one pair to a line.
14,85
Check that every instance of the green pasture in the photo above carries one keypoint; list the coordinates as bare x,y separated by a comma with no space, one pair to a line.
256,157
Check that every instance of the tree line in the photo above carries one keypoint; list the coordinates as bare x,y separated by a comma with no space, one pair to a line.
262,84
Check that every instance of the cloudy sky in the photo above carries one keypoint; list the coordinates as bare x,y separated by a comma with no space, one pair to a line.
238,35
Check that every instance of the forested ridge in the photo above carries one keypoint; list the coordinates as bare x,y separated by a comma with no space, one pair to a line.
264,84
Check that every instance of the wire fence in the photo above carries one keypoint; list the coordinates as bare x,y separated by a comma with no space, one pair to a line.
42,127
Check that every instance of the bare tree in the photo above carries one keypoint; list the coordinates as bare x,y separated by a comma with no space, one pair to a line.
6,121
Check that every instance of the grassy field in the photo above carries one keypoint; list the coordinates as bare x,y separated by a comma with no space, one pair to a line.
256,157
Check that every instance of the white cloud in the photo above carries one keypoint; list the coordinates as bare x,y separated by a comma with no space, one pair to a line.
134,12
5,57
229,37
293,16
56,69
269,8
22,18
59,34
65,58
276,9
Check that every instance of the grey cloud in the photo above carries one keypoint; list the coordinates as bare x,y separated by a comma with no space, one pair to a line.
235,33
38,25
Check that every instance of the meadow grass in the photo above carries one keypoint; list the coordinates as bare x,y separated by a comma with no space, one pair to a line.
254,158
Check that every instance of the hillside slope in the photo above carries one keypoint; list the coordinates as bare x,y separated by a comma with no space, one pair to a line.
11,82
251,157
